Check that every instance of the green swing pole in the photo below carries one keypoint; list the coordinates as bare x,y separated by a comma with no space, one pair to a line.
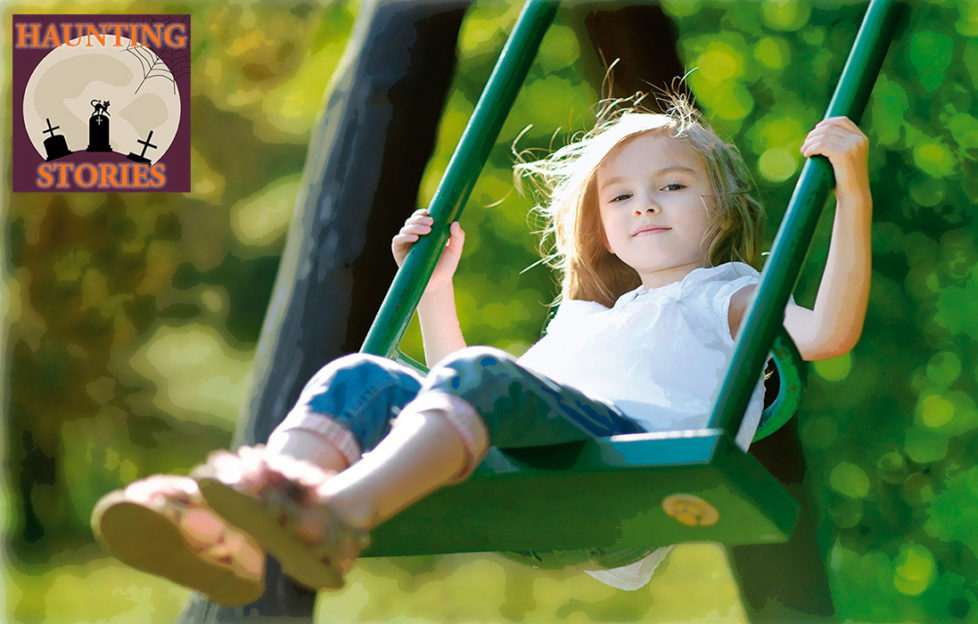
460,176
764,316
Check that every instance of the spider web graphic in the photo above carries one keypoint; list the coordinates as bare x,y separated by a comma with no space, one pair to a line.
177,59
159,62
153,66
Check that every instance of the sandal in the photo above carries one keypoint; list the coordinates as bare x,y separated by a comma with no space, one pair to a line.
275,512
161,526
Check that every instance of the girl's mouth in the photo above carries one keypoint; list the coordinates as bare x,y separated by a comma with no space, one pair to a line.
650,229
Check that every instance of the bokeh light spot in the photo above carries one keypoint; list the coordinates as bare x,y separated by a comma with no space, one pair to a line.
726,101
786,132
846,512
559,50
971,480
772,52
681,8
913,570
889,103
785,15
928,192
970,58
944,367
918,489
776,164
892,467
930,54
720,62
924,445
834,369
263,218
195,372
967,24
850,480
964,129
936,411
934,159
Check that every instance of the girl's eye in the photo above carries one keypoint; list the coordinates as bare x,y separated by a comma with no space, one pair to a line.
621,197
675,186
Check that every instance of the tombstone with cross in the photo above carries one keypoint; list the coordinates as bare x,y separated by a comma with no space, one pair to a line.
141,157
55,145
98,128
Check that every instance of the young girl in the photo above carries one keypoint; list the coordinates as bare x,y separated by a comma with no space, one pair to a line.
654,233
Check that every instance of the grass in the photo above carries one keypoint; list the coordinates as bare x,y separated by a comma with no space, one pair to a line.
693,586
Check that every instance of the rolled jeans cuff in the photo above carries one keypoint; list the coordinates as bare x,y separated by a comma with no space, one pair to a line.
328,430
463,418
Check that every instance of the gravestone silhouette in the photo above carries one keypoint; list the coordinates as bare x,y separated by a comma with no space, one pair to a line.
141,157
55,145
98,129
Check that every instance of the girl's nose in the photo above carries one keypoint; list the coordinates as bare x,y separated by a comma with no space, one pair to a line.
648,205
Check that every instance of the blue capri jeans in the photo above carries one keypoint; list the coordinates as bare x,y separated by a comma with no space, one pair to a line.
520,408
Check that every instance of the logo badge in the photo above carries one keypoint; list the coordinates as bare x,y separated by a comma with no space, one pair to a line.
690,510
101,103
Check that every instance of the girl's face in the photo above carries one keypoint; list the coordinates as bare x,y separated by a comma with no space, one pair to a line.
653,195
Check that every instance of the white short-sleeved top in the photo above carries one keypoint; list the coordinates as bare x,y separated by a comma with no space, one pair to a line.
659,355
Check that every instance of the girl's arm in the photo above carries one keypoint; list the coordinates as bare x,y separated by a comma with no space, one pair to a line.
834,325
440,331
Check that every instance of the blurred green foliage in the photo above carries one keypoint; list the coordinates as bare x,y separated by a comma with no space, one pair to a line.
131,320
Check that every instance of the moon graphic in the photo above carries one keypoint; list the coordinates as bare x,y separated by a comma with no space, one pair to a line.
68,78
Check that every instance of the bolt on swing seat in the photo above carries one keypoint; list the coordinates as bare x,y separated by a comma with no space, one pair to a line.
636,490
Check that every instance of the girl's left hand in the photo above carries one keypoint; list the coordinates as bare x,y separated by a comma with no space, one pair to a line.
846,147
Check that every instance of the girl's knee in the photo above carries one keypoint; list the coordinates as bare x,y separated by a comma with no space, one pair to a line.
353,361
477,374
355,366
477,358
352,399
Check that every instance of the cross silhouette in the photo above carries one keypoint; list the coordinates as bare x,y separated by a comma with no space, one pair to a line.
146,144
50,129
98,120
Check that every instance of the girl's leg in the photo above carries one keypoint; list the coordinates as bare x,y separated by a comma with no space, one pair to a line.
317,530
308,446
344,409
160,525
438,439
476,397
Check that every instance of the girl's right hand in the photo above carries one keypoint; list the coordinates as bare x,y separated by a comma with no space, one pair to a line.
418,225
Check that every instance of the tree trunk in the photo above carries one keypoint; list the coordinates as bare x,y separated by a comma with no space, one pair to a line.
361,179
642,38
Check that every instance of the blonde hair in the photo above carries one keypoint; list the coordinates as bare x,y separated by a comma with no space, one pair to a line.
573,236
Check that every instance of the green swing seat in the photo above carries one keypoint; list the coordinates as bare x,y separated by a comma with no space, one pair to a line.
637,490
626,487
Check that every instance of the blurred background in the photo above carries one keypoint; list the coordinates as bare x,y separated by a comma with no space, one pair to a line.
130,320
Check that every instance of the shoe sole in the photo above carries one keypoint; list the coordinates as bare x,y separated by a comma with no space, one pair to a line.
247,514
149,541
